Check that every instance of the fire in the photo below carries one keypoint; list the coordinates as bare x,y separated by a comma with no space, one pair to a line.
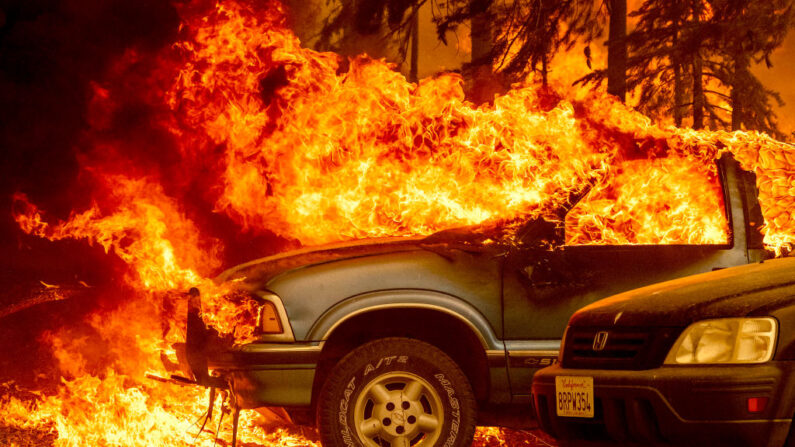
282,139
659,210
144,228
330,155
320,152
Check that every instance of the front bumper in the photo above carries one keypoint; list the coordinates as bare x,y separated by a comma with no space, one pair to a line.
676,405
269,374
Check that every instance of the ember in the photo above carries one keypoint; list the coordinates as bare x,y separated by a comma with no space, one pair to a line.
285,140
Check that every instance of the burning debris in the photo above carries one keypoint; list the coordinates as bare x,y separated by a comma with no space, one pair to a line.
285,140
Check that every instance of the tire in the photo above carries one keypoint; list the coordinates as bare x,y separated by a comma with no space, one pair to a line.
790,441
396,392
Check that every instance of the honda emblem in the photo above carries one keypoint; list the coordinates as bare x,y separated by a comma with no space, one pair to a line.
599,340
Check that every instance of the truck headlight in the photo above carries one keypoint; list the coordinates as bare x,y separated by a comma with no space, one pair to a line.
725,340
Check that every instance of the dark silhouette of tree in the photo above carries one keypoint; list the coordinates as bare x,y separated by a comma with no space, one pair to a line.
389,24
695,55
749,31
510,40
415,45
664,59
480,33
660,61
683,60
617,49
526,33
696,10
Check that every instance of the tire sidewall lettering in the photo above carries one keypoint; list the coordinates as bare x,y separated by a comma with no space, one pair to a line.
384,362
455,412
345,431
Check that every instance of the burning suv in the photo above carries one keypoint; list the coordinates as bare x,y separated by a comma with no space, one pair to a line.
706,360
415,341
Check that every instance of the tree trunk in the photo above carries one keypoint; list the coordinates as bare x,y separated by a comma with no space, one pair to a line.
739,76
698,86
679,93
415,44
698,92
480,73
737,109
617,50
481,33
679,88
544,70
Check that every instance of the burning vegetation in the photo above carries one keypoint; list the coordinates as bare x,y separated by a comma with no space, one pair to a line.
315,148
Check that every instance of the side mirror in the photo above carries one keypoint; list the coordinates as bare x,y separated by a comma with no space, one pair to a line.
540,233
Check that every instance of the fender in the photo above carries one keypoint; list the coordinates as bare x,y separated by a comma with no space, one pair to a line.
405,299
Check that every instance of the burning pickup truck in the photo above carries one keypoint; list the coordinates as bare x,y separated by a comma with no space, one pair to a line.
415,341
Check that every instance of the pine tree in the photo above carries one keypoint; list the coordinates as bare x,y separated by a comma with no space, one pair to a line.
695,55
749,31
617,50
510,40
526,33
377,27
663,66
659,66
697,50
481,83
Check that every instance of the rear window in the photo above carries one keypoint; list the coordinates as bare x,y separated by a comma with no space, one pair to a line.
671,200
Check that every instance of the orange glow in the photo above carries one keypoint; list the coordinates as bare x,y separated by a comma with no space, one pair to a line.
315,151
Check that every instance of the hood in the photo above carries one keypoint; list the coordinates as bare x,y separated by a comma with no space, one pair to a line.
261,270
755,289
269,266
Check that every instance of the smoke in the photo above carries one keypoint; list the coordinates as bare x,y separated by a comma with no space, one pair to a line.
779,78
81,88
52,52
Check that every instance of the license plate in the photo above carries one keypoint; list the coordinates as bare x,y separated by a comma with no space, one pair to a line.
574,396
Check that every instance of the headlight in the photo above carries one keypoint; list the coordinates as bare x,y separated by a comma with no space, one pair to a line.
726,340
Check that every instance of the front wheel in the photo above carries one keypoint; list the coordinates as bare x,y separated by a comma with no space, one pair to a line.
396,392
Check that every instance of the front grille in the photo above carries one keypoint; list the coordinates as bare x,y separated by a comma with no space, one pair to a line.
625,348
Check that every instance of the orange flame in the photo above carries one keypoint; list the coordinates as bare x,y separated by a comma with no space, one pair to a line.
316,150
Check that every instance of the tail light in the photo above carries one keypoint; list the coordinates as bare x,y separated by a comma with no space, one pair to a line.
757,404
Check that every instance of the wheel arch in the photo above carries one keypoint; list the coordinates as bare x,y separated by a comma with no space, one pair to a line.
339,314
451,331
